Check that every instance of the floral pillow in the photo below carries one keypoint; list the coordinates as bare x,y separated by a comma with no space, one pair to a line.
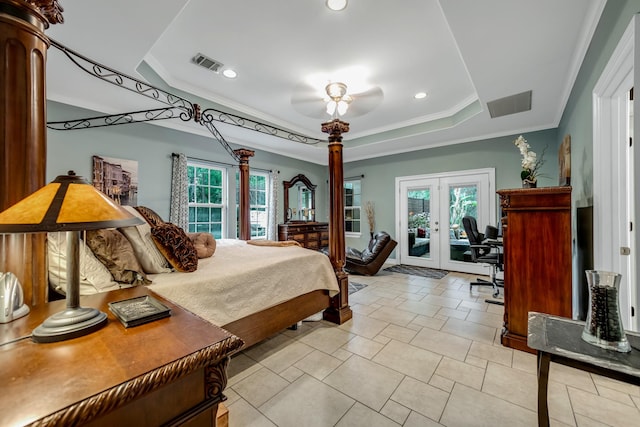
176,247
150,215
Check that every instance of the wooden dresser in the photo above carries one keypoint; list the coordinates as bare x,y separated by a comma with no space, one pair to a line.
537,258
167,372
311,235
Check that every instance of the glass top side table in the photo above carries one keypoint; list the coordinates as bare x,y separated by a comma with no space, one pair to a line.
558,339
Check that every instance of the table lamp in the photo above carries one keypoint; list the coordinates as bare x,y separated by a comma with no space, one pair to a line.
69,203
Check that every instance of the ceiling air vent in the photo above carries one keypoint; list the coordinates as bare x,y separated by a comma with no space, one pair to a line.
206,62
510,104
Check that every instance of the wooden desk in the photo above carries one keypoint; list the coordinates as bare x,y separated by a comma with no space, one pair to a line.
170,371
559,340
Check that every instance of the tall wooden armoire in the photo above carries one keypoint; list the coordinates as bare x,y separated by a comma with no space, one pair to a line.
537,257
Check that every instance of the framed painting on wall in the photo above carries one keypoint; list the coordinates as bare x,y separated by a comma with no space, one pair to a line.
117,178
564,161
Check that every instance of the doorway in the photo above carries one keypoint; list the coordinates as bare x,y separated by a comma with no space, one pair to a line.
430,209
615,204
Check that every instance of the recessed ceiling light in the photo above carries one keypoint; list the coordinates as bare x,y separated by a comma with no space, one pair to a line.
336,4
420,95
229,73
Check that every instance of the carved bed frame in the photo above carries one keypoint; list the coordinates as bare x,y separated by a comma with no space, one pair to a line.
23,142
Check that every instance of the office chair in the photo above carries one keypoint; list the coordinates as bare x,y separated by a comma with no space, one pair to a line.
484,252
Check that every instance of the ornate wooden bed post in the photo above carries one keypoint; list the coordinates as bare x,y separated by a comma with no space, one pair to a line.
23,143
245,220
339,312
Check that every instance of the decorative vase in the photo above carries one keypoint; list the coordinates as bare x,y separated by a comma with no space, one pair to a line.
603,327
529,184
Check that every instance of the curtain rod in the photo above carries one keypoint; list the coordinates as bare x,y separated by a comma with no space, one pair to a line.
353,177
223,164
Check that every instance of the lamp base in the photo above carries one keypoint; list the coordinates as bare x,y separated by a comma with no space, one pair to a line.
68,324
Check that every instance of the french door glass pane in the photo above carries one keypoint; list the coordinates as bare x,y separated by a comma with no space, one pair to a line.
463,201
419,222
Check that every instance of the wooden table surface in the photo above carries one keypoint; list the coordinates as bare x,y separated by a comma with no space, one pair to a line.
37,380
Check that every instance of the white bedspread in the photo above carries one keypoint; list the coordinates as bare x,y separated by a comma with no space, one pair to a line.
240,279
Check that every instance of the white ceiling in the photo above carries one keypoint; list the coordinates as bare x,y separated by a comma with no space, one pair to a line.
463,53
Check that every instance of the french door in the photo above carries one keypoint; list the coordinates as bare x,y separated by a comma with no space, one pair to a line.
430,209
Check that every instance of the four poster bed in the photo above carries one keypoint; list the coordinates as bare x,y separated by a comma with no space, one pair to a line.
174,369
253,326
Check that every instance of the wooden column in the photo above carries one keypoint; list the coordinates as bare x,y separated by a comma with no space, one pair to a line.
23,147
339,312
244,204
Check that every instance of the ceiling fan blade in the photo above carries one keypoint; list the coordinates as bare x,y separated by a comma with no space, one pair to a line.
308,102
365,102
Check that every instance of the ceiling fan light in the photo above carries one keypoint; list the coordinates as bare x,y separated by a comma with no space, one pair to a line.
331,107
342,107
336,90
336,5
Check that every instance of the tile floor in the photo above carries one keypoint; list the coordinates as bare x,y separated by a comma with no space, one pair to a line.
418,352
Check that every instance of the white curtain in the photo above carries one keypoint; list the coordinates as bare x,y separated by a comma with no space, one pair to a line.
272,227
179,213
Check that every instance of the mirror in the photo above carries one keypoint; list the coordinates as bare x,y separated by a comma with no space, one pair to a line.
299,199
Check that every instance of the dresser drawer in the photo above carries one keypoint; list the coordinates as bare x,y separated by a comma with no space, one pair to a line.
312,235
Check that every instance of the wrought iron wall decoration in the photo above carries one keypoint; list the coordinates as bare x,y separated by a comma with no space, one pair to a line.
117,119
124,81
243,122
177,107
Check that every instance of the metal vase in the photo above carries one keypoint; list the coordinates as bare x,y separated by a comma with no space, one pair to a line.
603,327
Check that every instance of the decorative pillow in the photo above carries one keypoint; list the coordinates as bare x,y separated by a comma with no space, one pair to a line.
94,276
116,253
150,215
147,253
422,232
176,247
204,243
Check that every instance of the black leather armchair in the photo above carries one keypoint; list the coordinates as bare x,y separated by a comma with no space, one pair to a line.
369,261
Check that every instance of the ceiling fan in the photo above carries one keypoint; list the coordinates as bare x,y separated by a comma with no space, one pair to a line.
311,102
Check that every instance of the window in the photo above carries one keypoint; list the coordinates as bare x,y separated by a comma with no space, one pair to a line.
352,191
258,204
207,196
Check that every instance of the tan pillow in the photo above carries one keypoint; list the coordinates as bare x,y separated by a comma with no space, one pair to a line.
176,247
94,276
150,215
147,253
204,243
116,253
